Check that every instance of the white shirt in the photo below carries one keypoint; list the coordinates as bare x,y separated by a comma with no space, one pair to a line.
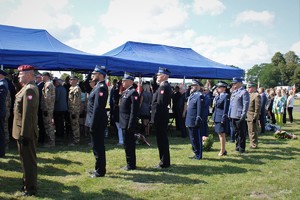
290,101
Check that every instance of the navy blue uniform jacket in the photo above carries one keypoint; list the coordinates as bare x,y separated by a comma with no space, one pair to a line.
195,110
161,100
96,117
129,108
221,107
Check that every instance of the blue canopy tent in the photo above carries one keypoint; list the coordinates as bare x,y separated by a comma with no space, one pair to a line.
40,49
144,59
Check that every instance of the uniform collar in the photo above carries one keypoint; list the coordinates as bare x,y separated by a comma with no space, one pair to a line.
129,88
162,83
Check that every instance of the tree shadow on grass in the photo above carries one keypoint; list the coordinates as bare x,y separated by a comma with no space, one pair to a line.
165,178
263,153
205,170
11,165
57,160
14,165
272,141
55,190
49,170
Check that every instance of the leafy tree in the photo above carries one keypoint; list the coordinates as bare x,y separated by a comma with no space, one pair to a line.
253,73
287,73
269,76
277,59
296,77
291,58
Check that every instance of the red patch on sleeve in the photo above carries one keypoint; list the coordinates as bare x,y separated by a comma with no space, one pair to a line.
100,94
162,92
29,97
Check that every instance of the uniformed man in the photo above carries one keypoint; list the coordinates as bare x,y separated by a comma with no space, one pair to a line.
238,108
194,118
253,115
129,108
263,109
3,110
96,119
74,108
40,84
220,116
25,127
48,101
160,116
206,93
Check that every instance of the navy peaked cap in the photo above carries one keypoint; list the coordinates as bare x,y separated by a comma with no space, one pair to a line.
222,84
128,76
162,70
237,80
100,69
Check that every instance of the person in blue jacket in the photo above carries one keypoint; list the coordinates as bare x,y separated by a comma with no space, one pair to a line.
238,108
220,116
194,118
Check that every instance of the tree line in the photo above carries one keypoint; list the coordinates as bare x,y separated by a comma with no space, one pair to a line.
284,70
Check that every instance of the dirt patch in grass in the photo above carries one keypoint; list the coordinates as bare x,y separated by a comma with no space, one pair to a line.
259,195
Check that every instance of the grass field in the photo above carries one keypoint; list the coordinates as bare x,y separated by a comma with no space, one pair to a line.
270,172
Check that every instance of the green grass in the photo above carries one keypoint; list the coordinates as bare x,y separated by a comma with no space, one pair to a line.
270,172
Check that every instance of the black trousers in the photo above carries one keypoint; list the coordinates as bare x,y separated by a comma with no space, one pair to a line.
240,131
262,119
129,146
41,127
182,127
2,137
99,151
163,143
59,120
284,116
290,111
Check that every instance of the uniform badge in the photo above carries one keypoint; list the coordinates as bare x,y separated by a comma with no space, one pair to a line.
136,97
100,94
162,92
29,97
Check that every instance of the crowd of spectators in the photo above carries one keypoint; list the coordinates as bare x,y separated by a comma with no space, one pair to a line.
57,121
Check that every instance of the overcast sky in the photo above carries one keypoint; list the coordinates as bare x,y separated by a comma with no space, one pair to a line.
234,32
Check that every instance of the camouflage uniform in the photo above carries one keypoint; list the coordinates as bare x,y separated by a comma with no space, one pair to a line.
8,105
47,101
74,110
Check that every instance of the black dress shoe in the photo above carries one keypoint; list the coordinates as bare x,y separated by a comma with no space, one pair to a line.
96,175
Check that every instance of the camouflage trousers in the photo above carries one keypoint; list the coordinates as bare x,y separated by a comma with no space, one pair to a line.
74,119
49,128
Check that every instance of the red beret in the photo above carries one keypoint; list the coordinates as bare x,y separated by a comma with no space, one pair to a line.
25,68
